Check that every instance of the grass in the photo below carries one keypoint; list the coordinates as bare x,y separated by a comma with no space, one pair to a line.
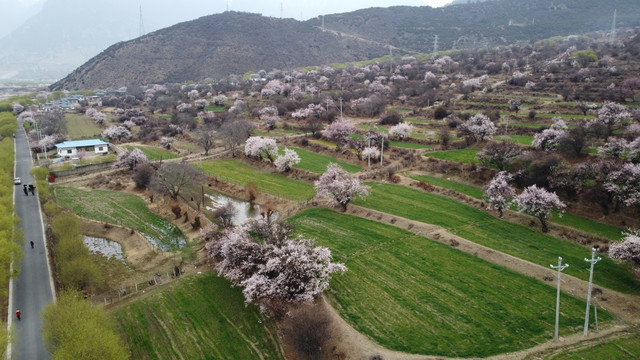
409,145
622,348
465,156
154,153
528,125
81,127
482,228
472,191
198,317
215,108
411,294
239,173
317,163
519,139
121,209
588,225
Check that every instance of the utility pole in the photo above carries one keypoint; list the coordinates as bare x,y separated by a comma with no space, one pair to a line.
381,148
141,28
560,267
435,45
281,10
593,261
227,5
612,36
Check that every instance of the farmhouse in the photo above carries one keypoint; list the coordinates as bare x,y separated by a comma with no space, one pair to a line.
71,148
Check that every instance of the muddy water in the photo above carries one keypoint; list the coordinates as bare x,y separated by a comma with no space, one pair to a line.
104,247
244,211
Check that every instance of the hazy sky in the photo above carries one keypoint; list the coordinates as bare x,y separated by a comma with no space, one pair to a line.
160,14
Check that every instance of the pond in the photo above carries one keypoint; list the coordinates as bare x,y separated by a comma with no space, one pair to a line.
244,211
107,248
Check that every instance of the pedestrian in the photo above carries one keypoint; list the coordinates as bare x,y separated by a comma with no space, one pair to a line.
24,188
32,189
31,243
18,314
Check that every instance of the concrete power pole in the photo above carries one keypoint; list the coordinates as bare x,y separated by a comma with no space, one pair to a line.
612,36
593,261
435,45
141,28
560,267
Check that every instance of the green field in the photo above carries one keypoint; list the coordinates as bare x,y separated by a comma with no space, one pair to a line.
470,190
409,145
154,153
317,163
465,156
80,126
411,294
120,209
518,139
239,173
198,317
484,229
623,348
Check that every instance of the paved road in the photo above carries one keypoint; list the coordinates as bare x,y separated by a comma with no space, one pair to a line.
33,289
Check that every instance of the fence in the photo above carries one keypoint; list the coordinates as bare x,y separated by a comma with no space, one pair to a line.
82,170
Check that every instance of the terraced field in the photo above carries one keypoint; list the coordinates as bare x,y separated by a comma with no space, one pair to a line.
154,153
239,173
199,317
480,227
411,294
120,209
317,163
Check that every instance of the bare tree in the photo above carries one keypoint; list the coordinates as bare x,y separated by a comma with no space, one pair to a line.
171,178
207,138
234,133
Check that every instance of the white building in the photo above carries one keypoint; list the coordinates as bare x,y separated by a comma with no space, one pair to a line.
71,148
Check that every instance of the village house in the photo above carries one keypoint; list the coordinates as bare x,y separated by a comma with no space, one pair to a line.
69,149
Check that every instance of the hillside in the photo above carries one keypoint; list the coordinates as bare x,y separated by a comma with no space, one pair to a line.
216,45
236,43
477,25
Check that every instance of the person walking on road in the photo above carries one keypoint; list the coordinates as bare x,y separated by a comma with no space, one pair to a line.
32,189
18,314
31,243
24,188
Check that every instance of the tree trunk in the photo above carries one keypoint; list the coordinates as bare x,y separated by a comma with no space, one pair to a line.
543,221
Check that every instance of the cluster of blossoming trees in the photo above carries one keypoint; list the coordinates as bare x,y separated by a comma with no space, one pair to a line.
275,268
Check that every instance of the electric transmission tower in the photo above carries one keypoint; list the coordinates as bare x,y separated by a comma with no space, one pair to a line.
612,36
435,45
141,28
281,10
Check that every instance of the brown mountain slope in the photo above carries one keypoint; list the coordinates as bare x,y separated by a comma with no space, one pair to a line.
228,43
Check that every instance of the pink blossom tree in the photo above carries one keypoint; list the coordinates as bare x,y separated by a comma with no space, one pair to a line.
627,249
624,184
498,193
286,161
339,131
130,159
401,131
340,186
273,267
538,202
17,108
116,133
612,113
614,147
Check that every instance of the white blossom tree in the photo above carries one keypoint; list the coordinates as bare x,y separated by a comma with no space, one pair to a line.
340,186
499,153
624,184
538,202
612,113
499,193
401,130
286,161
627,249
256,146
479,126
614,147
370,152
